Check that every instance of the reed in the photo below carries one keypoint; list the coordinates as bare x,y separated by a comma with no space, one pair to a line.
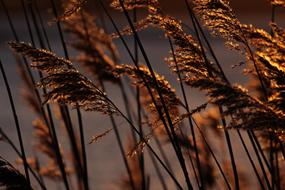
166,142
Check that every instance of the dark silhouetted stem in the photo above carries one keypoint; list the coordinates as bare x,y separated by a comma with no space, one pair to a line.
189,118
172,134
84,163
228,139
19,133
13,146
259,160
120,143
251,161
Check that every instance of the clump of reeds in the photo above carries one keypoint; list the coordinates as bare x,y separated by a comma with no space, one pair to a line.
159,116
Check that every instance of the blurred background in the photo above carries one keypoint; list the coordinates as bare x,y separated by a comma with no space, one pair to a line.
106,166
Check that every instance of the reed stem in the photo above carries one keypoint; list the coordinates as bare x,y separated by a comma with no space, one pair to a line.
17,124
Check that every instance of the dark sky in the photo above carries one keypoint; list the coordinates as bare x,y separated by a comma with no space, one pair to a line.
238,5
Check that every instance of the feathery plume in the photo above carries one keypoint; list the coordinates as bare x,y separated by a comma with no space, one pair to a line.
279,3
52,172
169,95
94,46
96,138
151,5
219,17
139,147
73,6
246,111
209,119
188,54
66,84
45,146
134,164
44,142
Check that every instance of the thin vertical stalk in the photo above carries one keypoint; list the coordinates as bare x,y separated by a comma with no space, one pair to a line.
133,59
50,122
158,172
172,133
160,149
254,139
228,139
251,160
121,147
146,143
74,145
84,154
82,165
38,168
127,106
201,186
190,157
278,184
28,22
262,167
70,132
55,143
141,155
272,163
213,155
16,120
225,78
13,146
229,144
259,149
39,15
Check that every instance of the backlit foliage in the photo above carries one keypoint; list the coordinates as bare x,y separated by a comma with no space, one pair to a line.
260,47
258,109
66,84
168,93
93,44
280,3
45,145
151,5
73,7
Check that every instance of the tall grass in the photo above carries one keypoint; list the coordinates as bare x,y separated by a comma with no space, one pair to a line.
169,143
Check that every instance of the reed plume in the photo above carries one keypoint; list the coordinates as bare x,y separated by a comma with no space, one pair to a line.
168,93
219,17
94,46
135,170
238,102
279,3
44,141
96,138
73,7
43,144
66,83
264,50
151,5
189,56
